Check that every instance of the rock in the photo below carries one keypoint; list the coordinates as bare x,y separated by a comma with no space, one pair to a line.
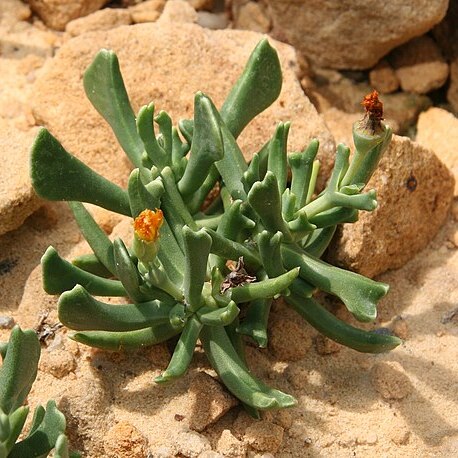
326,346
390,380
414,191
288,339
213,21
352,34
179,67
191,444
148,11
17,198
419,65
56,14
452,92
210,401
86,405
58,363
400,328
401,109
252,16
264,435
178,11
437,130
230,446
105,19
383,78
446,35
7,322
200,5
124,441
12,11
400,435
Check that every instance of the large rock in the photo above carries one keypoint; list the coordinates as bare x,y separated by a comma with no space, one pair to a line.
166,65
446,34
419,65
437,130
106,19
17,198
352,34
57,13
414,192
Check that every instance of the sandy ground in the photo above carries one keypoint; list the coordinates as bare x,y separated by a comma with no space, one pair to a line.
401,404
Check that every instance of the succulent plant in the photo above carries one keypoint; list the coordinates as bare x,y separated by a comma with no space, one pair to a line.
215,239
18,372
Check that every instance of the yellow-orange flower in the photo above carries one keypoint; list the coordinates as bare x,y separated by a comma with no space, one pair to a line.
147,224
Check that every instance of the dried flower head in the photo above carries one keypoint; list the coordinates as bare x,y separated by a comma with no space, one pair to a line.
147,224
374,111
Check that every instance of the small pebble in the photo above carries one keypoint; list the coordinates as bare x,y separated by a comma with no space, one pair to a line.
7,322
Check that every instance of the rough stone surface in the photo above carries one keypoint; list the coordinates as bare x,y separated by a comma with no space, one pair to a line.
200,5
437,130
58,13
213,21
383,78
452,92
105,19
414,192
264,436
124,441
17,198
326,346
191,444
178,11
162,64
390,379
230,446
419,65
58,363
252,16
352,34
446,35
211,401
288,339
148,11
401,109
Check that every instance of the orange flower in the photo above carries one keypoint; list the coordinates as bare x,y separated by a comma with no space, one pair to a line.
147,224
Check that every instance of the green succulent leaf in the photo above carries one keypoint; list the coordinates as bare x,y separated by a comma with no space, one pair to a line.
337,330
218,317
145,128
127,272
265,199
131,340
19,369
277,161
80,311
94,235
256,89
265,288
359,294
60,275
235,375
196,266
183,352
90,263
105,89
57,175
141,197
16,421
44,438
207,146
255,321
